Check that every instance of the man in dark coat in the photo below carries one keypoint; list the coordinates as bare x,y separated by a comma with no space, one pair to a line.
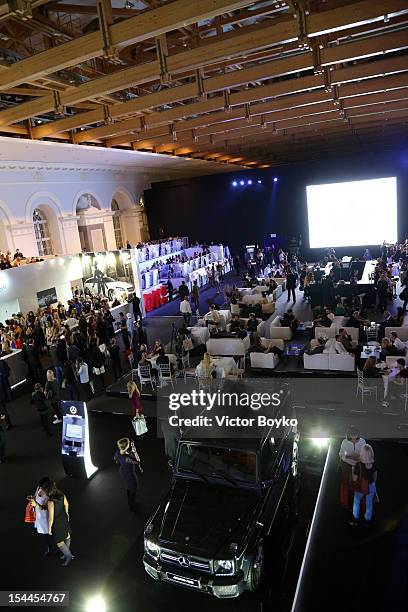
291,285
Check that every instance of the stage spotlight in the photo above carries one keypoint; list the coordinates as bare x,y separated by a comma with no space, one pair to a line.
259,182
275,180
249,182
242,183
234,183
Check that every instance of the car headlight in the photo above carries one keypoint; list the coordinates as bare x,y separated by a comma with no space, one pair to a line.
152,548
225,567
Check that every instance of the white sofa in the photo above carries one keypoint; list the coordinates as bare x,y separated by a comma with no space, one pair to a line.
326,332
281,282
260,289
228,346
402,332
277,331
278,342
259,330
329,359
277,292
255,298
267,361
330,332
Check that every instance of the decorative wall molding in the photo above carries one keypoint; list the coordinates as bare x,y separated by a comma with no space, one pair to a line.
33,166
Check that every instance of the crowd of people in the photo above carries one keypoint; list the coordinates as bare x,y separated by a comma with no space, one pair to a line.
7,260
69,347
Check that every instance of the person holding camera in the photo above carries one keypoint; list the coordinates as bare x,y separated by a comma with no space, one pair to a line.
129,464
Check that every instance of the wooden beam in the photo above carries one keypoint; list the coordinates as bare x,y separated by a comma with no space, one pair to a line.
143,26
361,13
183,92
261,72
252,95
244,41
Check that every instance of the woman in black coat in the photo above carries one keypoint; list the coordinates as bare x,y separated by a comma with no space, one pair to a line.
129,465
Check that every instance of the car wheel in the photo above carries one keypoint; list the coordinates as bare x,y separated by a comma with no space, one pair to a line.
111,295
257,568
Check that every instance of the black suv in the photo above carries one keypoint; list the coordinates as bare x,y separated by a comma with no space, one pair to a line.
208,534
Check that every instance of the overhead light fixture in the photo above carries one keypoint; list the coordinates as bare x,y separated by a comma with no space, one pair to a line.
275,179
242,183
259,182
234,183
249,182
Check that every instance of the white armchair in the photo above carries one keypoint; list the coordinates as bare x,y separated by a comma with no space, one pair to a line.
320,361
267,361
342,362
326,332
277,331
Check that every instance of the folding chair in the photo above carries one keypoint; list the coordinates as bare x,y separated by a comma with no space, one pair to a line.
145,376
186,371
165,374
204,382
364,389
133,368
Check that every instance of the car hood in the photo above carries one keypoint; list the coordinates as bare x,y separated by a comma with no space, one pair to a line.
204,519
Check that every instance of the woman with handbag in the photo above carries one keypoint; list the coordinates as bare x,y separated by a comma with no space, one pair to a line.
39,501
365,478
58,520
134,396
349,455
51,391
128,461
98,364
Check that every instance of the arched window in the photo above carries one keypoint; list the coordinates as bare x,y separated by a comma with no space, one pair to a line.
117,227
42,233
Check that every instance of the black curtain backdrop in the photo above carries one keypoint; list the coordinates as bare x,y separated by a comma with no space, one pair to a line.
209,208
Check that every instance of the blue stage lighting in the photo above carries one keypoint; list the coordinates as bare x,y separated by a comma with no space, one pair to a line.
242,183
275,180
249,182
234,183
259,182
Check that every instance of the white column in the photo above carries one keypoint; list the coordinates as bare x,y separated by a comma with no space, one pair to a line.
131,222
107,220
23,238
6,241
70,235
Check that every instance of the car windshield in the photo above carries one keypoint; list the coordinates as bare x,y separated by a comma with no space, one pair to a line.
227,464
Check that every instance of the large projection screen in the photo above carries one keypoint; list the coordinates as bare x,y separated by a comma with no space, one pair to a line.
352,214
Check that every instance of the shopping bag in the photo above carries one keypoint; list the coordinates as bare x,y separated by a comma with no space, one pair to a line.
139,425
29,513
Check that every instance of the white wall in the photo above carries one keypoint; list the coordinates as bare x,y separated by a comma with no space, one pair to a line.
19,286
56,189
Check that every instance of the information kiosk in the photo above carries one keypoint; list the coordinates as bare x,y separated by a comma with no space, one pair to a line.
75,445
